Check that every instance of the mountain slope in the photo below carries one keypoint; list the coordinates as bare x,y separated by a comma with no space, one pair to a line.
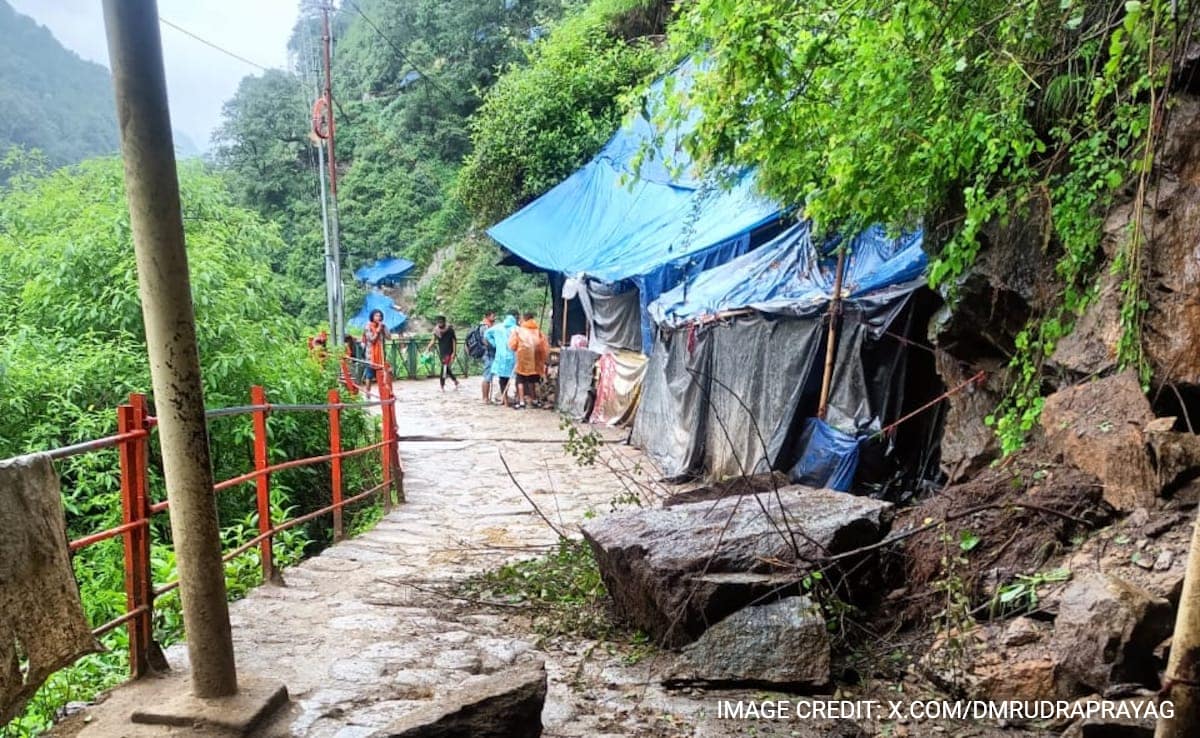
51,98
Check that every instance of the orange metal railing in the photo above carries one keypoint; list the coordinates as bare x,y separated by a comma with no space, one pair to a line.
134,427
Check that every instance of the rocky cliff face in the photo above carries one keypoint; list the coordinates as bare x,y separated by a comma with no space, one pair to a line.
1014,280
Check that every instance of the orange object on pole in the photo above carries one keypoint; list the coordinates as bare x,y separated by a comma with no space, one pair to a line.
335,463
258,396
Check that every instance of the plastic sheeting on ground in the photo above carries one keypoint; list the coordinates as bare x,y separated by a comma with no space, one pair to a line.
654,226
392,318
385,271
792,276
575,371
618,387
829,459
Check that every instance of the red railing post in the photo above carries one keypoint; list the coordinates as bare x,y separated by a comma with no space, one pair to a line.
394,447
258,396
387,414
335,464
134,508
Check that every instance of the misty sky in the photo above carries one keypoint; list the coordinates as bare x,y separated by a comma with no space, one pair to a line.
199,78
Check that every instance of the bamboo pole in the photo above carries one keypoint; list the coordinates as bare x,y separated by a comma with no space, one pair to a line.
1182,680
835,310
152,190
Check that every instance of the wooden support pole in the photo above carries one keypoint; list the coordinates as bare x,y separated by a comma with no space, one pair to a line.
152,191
835,311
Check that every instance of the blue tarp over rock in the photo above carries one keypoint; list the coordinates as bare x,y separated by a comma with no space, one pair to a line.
790,276
384,271
392,318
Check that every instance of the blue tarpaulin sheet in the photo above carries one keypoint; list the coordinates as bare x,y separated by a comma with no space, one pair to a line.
384,271
392,318
653,227
830,457
793,276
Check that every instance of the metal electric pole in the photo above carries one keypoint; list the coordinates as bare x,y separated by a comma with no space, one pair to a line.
335,235
152,190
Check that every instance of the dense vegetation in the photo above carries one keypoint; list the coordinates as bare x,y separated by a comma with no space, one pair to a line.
54,101
957,114
73,348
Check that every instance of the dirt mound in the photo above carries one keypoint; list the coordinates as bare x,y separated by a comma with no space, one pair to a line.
1008,520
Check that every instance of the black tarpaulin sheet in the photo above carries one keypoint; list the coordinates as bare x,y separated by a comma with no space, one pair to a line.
575,367
759,372
670,422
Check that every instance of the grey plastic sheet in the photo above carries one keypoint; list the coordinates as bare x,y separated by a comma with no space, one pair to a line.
670,422
760,369
575,368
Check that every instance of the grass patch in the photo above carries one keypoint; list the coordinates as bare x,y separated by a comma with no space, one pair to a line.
561,591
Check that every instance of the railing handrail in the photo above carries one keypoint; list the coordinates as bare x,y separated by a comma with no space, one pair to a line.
135,428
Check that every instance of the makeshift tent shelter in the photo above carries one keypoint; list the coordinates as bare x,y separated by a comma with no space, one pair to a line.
392,318
385,271
651,226
735,374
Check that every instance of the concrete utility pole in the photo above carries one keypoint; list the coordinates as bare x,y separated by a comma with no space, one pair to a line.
152,189
334,229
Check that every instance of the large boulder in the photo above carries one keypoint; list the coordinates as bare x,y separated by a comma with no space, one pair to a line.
675,571
1106,632
784,643
1099,427
507,704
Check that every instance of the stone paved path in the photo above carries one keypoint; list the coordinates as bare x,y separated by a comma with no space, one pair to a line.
358,637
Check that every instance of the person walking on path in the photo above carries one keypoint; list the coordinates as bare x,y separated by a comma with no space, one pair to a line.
443,335
504,361
373,338
489,355
533,350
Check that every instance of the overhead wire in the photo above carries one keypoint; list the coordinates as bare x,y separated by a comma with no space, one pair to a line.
208,43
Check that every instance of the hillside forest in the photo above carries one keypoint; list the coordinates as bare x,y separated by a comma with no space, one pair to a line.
453,114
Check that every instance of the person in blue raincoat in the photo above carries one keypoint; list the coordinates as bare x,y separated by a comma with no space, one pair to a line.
505,362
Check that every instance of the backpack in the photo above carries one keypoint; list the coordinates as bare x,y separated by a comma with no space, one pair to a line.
476,345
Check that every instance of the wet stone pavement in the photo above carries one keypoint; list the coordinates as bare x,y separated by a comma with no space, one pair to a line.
364,632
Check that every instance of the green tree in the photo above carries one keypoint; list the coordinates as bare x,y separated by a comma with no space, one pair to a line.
959,114
547,115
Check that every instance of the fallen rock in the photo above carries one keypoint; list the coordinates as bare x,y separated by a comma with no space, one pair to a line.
505,705
785,643
968,444
998,662
1107,630
1097,427
675,571
750,485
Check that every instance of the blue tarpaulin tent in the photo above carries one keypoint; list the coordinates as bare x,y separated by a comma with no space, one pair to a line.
791,276
392,318
653,226
385,271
